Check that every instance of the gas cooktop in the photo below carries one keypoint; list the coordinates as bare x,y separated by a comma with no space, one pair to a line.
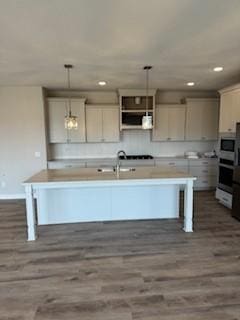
136,157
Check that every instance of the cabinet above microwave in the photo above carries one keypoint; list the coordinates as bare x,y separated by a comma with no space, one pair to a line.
133,107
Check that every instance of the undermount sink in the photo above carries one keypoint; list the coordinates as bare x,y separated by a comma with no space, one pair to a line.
127,169
113,169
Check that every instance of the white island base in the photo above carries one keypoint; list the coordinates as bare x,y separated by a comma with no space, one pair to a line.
107,203
65,196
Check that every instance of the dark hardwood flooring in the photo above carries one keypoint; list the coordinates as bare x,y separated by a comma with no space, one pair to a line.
141,270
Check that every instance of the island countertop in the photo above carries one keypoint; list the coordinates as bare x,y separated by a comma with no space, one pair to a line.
92,174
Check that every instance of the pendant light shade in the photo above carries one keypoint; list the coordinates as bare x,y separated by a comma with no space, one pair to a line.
70,120
147,119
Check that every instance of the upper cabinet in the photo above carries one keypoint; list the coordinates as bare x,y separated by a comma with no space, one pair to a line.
229,109
102,123
169,123
133,107
202,119
57,110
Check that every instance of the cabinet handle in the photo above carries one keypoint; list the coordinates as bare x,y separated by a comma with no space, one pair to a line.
204,171
203,138
204,162
169,139
172,163
229,129
68,166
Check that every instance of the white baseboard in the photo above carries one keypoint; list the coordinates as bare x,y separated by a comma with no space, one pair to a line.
12,196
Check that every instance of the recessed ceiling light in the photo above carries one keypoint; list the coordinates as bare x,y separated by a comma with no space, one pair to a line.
190,84
102,83
218,69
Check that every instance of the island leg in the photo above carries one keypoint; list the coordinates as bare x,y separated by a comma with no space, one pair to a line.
31,214
188,207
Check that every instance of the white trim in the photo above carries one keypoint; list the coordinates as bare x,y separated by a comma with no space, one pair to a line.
136,92
235,87
12,196
109,183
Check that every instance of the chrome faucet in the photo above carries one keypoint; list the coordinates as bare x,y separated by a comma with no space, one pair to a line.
118,160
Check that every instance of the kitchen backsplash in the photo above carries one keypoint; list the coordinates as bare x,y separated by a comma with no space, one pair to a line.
132,142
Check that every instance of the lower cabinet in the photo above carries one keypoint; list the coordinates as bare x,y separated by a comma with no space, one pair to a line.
206,171
178,164
61,164
138,163
99,163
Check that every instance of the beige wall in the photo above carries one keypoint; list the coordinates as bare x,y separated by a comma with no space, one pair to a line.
22,133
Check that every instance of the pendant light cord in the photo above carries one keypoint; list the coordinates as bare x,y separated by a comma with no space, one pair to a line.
147,88
68,67
69,95
147,68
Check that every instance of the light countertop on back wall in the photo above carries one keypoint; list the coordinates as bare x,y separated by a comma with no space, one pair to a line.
71,162
205,169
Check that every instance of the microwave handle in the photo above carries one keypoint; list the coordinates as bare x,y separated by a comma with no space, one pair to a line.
236,157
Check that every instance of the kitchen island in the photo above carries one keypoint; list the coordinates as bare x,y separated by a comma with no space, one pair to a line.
92,194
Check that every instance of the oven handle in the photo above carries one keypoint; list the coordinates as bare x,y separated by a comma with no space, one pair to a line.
226,166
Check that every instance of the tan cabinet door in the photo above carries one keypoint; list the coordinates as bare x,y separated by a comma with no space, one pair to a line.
229,111
94,126
202,119
235,110
194,121
226,123
56,113
110,117
160,131
177,123
210,120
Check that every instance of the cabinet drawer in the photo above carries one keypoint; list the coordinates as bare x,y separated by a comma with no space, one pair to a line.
203,162
203,171
137,163
100,163
224,197
205,182
172,163
65,165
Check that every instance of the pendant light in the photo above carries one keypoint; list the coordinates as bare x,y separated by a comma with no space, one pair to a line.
147,119
70,120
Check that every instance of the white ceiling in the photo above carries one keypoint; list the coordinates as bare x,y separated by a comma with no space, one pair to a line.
112,39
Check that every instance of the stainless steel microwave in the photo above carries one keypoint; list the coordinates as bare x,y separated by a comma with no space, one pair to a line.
227,145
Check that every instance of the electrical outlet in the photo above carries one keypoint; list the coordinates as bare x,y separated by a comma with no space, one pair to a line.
3,184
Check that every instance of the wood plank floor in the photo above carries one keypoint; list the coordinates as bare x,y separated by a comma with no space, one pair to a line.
141,270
